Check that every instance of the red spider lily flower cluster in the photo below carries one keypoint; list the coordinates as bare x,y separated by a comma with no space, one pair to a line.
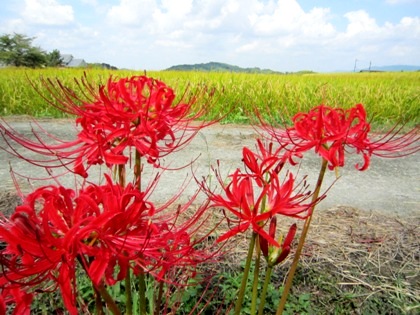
257,195
332,132
111,229
106,229
130,113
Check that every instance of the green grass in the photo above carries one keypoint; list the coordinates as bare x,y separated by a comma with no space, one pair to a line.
388,97
317,290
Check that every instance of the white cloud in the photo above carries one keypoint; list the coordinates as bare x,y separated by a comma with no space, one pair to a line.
76,41
360,23
171,15
253,45
362,27
155,34
93,3
401,50
222,17
132,12
288,18
315,25
402,1
167,43
188,30
382,44
178,8
13,25
411,25
47,12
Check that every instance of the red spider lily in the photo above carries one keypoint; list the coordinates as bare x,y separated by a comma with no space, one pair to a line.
32,257
330,131
21,301
130,113
254,202
273,254
106,229
179,243
53,230
261,163
177,251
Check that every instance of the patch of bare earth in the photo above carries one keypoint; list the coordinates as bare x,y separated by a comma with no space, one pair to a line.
353,262
8,202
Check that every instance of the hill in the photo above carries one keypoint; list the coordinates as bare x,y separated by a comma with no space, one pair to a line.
394,68
218,67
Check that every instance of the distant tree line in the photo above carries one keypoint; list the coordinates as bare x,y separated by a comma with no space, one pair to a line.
224,67
218,67
17,50
102,66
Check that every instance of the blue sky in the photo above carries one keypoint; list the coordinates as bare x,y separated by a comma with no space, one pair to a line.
282,35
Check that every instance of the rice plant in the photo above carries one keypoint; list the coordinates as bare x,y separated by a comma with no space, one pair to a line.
389,97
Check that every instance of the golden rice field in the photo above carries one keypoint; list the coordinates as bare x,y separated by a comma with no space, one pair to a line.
388,97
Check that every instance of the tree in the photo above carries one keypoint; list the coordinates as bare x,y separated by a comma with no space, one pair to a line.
54,59
17,50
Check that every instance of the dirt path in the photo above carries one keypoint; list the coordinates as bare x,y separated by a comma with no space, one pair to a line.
390,185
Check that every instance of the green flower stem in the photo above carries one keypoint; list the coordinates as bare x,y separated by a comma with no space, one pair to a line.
255,283
137,170
158,301
101,293
258,259
121,175
128,294
109,300
296,258
142,294
99,308
141,277
239,301
265,288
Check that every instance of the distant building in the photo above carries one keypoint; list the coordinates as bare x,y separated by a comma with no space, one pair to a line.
71,62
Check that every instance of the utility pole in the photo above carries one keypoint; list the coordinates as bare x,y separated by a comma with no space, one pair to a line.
355,64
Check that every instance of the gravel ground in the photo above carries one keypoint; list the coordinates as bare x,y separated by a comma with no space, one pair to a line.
389,185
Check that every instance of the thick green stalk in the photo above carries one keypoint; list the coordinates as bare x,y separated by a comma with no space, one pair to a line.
158,301
142,293
239,301
265,288
101,293
99,308
128,294
258,260
302,239
137,170
121,175
141,277
109,300
255,282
